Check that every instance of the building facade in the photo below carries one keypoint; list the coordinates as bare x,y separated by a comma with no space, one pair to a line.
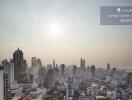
1,83
18,63
82,64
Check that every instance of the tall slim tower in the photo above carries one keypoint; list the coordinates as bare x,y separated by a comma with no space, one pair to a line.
62,69
108,73
74,70
108,69
33,62
82,64
93,71
54,64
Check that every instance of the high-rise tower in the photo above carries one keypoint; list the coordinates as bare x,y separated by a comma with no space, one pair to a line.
18,62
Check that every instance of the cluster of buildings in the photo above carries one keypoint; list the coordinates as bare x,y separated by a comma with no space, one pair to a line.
61,81
13,72
87,83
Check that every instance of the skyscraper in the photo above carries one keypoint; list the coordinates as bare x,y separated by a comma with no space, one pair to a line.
25,66
108,66
18,62
74,70
39,63
54,64
1,84
129,78
62,69
33,64
93,71
108,74
9,70
82,64
6,86
6,79
36,68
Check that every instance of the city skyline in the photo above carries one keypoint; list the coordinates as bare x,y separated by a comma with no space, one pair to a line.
82,62
64,31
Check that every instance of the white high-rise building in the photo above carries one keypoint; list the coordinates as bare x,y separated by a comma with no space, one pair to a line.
9,69
1,84
11,73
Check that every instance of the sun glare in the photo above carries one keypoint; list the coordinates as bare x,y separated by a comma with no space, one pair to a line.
55,29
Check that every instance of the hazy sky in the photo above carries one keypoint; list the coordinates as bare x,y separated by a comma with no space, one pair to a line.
29,25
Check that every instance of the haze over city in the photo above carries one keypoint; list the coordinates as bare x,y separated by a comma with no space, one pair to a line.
65,31
65,50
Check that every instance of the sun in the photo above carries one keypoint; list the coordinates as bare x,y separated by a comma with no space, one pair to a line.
55,28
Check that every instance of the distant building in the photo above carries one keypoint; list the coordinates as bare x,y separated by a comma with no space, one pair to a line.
113,72
82,64
108,73
56,70
25,79
8,77
62,67
70,87
11,73
33,60
54,64
108,67
57,65
74,70
39,63
71,92
9,70
93,71
48,80
84,97
1,83
18,63
36,69
5,65
129,78
25,66
6,87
